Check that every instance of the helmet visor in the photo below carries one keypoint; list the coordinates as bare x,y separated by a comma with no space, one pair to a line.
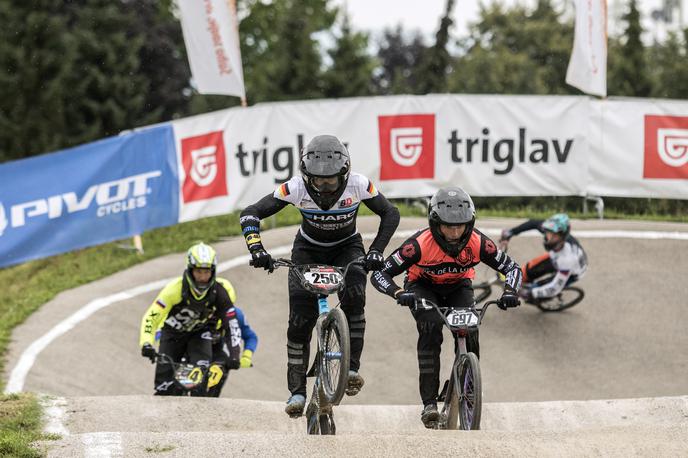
325,184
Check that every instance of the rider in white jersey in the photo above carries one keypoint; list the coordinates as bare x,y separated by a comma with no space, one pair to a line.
564,262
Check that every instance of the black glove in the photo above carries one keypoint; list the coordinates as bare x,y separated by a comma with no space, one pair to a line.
509,299
407,299
374,260
233,364
147,351
261,258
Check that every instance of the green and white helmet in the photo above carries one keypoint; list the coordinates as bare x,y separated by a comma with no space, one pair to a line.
200,256
559,224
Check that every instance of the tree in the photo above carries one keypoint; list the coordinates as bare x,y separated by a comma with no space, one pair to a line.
351,71
435,63
72,74
398,57
163,60
668,64
628,74
515,51
282,59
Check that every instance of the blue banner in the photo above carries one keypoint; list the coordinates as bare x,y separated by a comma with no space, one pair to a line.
95,193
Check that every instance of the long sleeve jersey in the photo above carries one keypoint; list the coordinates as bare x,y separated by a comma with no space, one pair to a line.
569,261
423,259
173,310
324,227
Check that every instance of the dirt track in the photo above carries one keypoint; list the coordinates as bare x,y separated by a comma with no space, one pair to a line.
626,340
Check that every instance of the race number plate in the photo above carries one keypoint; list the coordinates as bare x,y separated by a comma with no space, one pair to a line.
463,317
323,277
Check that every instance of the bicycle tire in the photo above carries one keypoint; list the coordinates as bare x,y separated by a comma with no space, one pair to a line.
470,401
327,426
451,400
481,291
557,304
334,356
312,423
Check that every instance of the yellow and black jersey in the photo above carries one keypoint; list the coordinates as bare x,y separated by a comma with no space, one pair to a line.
176,310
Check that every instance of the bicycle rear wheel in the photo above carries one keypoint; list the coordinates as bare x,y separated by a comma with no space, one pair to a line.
451,400
334,356
470,399
566,299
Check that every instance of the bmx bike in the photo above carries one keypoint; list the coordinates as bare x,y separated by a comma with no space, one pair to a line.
331,364
187,377
565,299
461,395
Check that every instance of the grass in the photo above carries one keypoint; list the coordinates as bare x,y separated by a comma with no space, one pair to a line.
159,448
20,425
29,285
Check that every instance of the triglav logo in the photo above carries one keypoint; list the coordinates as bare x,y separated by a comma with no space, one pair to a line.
672,146
407,146
204,162
204,165
666,147
3,219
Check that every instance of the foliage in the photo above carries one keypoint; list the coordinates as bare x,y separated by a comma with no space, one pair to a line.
515,51
628,72
436,61
350,73
398,56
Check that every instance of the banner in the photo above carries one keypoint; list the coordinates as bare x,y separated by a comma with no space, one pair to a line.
639,148
409,146
587,69
95,193
211,36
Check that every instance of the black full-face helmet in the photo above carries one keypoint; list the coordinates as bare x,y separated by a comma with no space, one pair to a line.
323,158
452,207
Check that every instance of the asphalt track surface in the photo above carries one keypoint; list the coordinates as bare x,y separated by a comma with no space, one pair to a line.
624,349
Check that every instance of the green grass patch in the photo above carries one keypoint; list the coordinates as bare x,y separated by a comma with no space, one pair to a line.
20,425
159,448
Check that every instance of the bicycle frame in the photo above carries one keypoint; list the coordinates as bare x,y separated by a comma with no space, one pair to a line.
324,280
472,318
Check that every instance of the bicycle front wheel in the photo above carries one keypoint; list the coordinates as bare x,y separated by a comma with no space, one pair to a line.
334,356
470,399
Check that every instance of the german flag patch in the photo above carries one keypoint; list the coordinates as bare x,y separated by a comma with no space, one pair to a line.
371,188
284,190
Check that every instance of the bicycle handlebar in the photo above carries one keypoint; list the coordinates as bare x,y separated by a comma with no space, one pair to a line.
442,310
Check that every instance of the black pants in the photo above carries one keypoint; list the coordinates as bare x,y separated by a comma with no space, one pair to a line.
196,346
303,306
430,326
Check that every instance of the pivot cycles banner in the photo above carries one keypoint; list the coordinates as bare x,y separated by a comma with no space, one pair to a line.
106,190
409,146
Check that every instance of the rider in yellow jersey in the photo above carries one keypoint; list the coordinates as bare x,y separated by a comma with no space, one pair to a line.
188,309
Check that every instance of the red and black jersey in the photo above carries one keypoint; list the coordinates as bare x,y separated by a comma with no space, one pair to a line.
423,259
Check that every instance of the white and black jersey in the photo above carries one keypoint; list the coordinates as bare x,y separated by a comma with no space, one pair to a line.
326,227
